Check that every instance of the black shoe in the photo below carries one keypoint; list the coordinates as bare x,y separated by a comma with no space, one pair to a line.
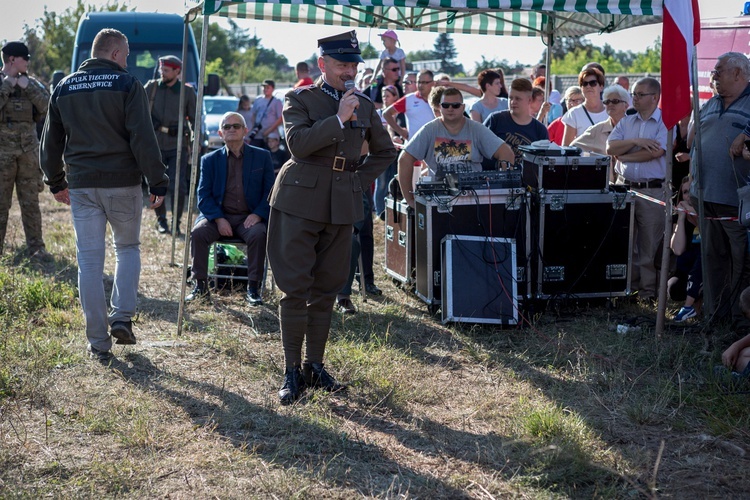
373,289
316,376
253,297
200,292
104,357
346,306
123,332
294,386
162,226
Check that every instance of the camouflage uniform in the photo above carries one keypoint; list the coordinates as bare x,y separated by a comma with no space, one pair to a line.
20,109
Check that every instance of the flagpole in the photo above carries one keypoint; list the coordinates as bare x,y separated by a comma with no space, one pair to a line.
665,254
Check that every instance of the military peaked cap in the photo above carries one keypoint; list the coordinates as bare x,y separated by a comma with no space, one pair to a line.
343,47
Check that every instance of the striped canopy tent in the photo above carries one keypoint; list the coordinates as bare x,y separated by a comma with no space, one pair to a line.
546,18
478,17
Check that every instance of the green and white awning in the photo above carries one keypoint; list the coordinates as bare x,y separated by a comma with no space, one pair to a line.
485,17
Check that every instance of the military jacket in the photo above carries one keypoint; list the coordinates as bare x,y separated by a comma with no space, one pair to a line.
165,110
20,109
316,191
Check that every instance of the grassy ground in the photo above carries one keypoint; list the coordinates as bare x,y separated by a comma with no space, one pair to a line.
564,408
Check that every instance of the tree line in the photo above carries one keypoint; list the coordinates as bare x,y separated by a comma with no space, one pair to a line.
237,56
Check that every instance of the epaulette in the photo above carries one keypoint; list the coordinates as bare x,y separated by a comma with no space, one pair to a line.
360,94
305,87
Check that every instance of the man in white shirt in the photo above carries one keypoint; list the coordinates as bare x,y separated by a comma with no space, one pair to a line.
638,142
414,106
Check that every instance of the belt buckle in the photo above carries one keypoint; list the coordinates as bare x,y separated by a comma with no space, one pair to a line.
336,160
164,130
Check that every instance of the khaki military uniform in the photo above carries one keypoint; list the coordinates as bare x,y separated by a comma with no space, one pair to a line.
315,200
20,109
164,103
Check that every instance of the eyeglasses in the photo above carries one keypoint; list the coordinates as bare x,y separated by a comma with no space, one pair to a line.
423,82
228,126
641,95
716,72
613,101
575,102
589,83
454,105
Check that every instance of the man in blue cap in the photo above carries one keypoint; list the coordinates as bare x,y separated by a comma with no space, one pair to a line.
315,200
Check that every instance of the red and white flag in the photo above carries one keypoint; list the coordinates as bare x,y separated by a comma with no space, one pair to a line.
681,32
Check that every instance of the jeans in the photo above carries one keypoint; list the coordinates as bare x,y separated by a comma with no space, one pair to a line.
92,208
381,187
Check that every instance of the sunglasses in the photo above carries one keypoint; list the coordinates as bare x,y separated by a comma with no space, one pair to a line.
394,69
408,82
454,105
612,101
589,83
228,126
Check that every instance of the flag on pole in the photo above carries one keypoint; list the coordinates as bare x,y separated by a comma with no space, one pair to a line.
680,33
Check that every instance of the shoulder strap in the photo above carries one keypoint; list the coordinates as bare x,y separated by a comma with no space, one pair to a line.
152,95
587,114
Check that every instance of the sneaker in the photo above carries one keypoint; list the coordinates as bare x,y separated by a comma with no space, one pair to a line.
685,314
123,332
162,227
104,357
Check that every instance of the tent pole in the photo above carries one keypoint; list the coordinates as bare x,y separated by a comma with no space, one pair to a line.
197,139
696,190
661,309
180,139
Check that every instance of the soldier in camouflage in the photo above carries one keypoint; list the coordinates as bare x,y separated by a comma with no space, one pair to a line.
23,102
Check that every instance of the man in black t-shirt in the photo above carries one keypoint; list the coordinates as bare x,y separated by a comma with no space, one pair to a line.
516,126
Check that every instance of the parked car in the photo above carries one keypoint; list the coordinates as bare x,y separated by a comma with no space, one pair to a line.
213,109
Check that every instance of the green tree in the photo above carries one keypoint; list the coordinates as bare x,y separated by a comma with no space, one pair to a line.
445,51
218,42
52,38
649,61
573,61
369,51
504,65
237,38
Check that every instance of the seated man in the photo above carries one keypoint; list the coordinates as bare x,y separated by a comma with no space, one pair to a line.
452,143
233,202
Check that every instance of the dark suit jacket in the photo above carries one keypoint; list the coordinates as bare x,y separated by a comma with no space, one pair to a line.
257,180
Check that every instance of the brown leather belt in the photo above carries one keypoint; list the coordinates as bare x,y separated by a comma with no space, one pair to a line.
654,183
337,163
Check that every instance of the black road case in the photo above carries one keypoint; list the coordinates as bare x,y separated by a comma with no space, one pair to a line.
488,213
584,245
588,173
399,241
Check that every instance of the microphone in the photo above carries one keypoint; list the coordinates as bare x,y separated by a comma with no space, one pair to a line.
349,84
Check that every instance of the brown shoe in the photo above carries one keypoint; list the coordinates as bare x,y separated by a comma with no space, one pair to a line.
345,306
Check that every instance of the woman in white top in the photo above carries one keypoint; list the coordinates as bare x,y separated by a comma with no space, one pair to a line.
591,112
491,84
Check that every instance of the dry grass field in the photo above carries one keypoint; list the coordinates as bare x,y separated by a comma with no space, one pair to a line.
563,408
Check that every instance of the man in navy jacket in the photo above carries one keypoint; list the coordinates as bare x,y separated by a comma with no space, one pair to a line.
233,202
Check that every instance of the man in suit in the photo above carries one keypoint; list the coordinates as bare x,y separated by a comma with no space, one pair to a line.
315,200
233,202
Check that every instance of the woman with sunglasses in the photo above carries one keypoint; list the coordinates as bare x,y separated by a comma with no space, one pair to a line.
595,137
591,112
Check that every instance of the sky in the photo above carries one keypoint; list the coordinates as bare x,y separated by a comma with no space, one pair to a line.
273,36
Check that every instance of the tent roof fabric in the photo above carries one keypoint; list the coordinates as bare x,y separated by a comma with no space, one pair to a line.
479,17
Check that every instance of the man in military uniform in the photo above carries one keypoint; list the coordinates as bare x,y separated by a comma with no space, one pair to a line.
23,102
164,101
315,200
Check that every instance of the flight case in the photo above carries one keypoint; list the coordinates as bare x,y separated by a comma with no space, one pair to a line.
486,213
584,246
399,241
588,173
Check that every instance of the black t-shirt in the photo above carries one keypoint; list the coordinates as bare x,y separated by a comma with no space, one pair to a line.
502,124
